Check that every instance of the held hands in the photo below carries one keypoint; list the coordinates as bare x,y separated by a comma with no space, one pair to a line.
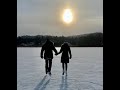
56,54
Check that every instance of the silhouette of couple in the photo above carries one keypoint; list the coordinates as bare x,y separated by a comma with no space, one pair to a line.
48,49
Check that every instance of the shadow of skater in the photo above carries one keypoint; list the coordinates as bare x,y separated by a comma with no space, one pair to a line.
42,85
64,84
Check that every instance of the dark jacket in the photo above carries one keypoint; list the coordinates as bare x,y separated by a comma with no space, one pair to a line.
47,49
65,50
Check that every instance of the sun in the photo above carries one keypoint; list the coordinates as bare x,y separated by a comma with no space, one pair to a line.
67,16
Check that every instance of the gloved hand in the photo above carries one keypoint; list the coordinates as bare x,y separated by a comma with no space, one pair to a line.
56,53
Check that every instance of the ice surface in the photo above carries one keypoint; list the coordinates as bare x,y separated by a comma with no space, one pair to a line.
85,70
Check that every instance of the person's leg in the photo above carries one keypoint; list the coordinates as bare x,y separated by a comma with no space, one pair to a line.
46,66
66,67
63,68
50,65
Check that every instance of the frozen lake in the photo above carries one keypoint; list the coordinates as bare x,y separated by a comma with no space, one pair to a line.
85,70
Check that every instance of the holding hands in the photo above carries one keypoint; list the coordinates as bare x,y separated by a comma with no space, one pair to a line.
56,54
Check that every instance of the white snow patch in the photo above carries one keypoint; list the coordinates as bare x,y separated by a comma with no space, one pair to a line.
85,70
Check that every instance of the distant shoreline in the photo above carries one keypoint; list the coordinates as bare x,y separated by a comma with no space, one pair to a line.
85,40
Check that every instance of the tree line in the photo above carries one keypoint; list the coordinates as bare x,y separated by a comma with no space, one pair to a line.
85,40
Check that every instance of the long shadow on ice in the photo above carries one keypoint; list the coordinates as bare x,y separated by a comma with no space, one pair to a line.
42,85
64,84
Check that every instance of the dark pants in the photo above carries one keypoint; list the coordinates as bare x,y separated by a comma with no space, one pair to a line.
48,65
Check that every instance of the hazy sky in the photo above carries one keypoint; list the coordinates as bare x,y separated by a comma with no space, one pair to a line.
43,17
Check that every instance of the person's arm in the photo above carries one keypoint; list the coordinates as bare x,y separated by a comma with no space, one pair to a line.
70,53
42,50
54,49
60,50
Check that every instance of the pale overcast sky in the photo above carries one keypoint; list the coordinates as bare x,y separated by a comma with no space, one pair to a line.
43,17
